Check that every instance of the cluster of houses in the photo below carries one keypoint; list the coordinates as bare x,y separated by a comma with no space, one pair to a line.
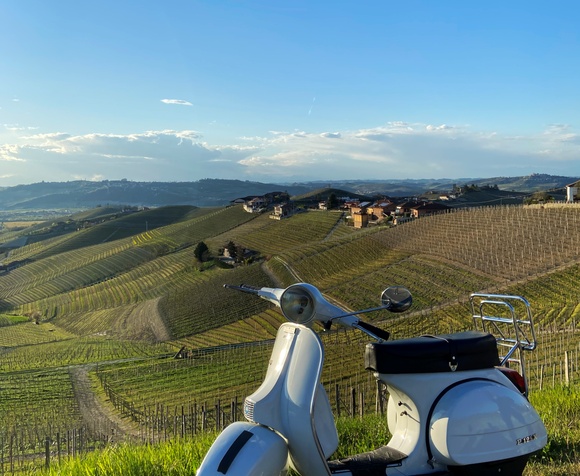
360,213
364,214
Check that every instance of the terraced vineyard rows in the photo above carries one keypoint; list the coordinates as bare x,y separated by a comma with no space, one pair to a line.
219,221
208,305
124,272
81,272
28,333
99,298
76,351
185,381
37,402
508,242
262,326
273,236
116,229
145,281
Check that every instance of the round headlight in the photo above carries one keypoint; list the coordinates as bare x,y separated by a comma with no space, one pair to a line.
297,305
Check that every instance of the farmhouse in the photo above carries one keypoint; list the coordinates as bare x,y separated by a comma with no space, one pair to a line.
427,208
255,205
259,203
366,212
572,192
382,209
283,210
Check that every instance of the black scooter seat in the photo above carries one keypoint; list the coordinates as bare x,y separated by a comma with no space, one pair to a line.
470,350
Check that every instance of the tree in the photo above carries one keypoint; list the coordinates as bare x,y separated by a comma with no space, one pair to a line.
232,249
201,251
240,252
539,197
332,201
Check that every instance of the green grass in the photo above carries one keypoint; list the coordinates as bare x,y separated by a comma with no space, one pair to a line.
10,319
172,458
558,407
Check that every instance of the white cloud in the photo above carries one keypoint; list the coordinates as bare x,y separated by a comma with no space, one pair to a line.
393,150
561,133
442,127
180,102
152,155
10,153
94,178
400,150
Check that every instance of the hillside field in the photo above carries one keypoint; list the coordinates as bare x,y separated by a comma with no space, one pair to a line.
101,302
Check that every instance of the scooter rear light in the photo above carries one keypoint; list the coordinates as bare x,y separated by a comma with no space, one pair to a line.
515,378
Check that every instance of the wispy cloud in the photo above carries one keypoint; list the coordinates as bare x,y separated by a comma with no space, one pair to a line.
18,128
180,102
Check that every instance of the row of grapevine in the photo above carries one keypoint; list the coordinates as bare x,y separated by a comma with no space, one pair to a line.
508,242
38,399
77,351
260,327
207,305
29,333
272,236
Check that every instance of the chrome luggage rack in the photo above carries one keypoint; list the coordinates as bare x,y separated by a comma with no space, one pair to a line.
509,319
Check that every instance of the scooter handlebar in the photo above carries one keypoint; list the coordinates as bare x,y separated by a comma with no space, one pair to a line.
269,294
244,288
373,331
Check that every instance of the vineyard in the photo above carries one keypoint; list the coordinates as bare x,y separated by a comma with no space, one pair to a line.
122,298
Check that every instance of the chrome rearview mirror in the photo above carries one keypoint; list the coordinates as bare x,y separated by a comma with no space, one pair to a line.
396,299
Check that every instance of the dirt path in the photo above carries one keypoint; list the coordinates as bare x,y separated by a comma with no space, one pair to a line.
148,313
97,415
144,322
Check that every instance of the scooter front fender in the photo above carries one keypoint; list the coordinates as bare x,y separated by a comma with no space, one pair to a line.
246,449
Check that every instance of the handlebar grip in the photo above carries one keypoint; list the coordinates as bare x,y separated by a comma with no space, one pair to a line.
244,287
380,333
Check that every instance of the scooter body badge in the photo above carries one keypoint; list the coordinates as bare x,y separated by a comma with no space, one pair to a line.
527,439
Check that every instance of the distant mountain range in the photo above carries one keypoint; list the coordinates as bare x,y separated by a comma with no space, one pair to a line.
217,192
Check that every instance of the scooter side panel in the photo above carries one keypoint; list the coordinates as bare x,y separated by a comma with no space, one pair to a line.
307,451
263,406
246,449
484,421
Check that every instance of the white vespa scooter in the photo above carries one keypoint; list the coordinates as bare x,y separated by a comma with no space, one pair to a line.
454,408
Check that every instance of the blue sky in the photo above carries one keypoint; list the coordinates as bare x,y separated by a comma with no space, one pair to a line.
281,91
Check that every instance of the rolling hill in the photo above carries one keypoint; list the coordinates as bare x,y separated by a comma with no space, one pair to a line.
125,293
82,195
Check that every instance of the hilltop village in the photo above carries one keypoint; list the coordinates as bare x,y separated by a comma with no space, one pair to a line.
359,213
